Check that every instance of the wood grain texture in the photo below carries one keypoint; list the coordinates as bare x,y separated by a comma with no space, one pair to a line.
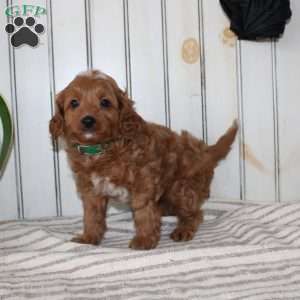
146,54
288,66
184,66
221,95
34,107
257,87
109,45
67,63
8,195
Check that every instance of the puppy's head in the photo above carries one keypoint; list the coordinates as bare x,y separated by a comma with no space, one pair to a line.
91,109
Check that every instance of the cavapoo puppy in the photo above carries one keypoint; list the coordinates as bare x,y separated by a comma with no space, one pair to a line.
115,154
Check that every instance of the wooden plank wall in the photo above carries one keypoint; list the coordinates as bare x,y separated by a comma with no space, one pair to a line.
183,68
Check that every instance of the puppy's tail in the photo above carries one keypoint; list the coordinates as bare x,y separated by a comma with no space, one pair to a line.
222,147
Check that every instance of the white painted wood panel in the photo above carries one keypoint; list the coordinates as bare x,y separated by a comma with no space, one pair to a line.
258,113
146,57
70,58
184,65
221,92
109,45
8,195
33,97
288,66
140,44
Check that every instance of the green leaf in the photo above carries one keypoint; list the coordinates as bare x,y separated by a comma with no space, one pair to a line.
6,120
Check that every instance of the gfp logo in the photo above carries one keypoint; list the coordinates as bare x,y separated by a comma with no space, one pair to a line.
24,28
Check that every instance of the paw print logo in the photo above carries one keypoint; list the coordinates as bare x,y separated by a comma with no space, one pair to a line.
24,31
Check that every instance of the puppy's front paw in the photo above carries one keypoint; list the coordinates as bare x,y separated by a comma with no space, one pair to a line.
85,239
182,234
143,243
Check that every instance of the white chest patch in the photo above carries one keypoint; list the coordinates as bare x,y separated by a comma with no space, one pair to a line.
103,186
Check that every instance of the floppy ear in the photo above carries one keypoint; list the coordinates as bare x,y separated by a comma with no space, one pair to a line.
131,124
56,126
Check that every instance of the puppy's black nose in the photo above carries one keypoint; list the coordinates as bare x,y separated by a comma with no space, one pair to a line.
88,121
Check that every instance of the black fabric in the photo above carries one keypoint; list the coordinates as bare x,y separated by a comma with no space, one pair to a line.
257,19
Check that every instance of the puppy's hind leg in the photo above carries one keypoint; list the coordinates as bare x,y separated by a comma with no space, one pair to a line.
147,224
187,226
187,208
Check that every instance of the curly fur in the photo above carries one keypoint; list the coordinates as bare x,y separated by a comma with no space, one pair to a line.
153,169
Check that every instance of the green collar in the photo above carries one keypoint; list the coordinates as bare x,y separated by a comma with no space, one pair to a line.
91,150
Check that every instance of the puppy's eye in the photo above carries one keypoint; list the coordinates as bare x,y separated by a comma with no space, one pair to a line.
105,103
74,103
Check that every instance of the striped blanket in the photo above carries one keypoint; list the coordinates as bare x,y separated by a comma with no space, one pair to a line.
248,252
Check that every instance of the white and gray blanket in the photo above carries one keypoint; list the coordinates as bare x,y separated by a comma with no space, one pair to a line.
250,252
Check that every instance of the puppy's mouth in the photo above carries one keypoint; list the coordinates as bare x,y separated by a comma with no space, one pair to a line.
88,134
85,137
85,130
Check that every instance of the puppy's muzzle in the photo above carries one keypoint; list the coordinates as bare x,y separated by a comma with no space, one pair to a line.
88,122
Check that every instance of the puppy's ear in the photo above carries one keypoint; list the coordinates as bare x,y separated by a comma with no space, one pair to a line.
56,126
131,124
